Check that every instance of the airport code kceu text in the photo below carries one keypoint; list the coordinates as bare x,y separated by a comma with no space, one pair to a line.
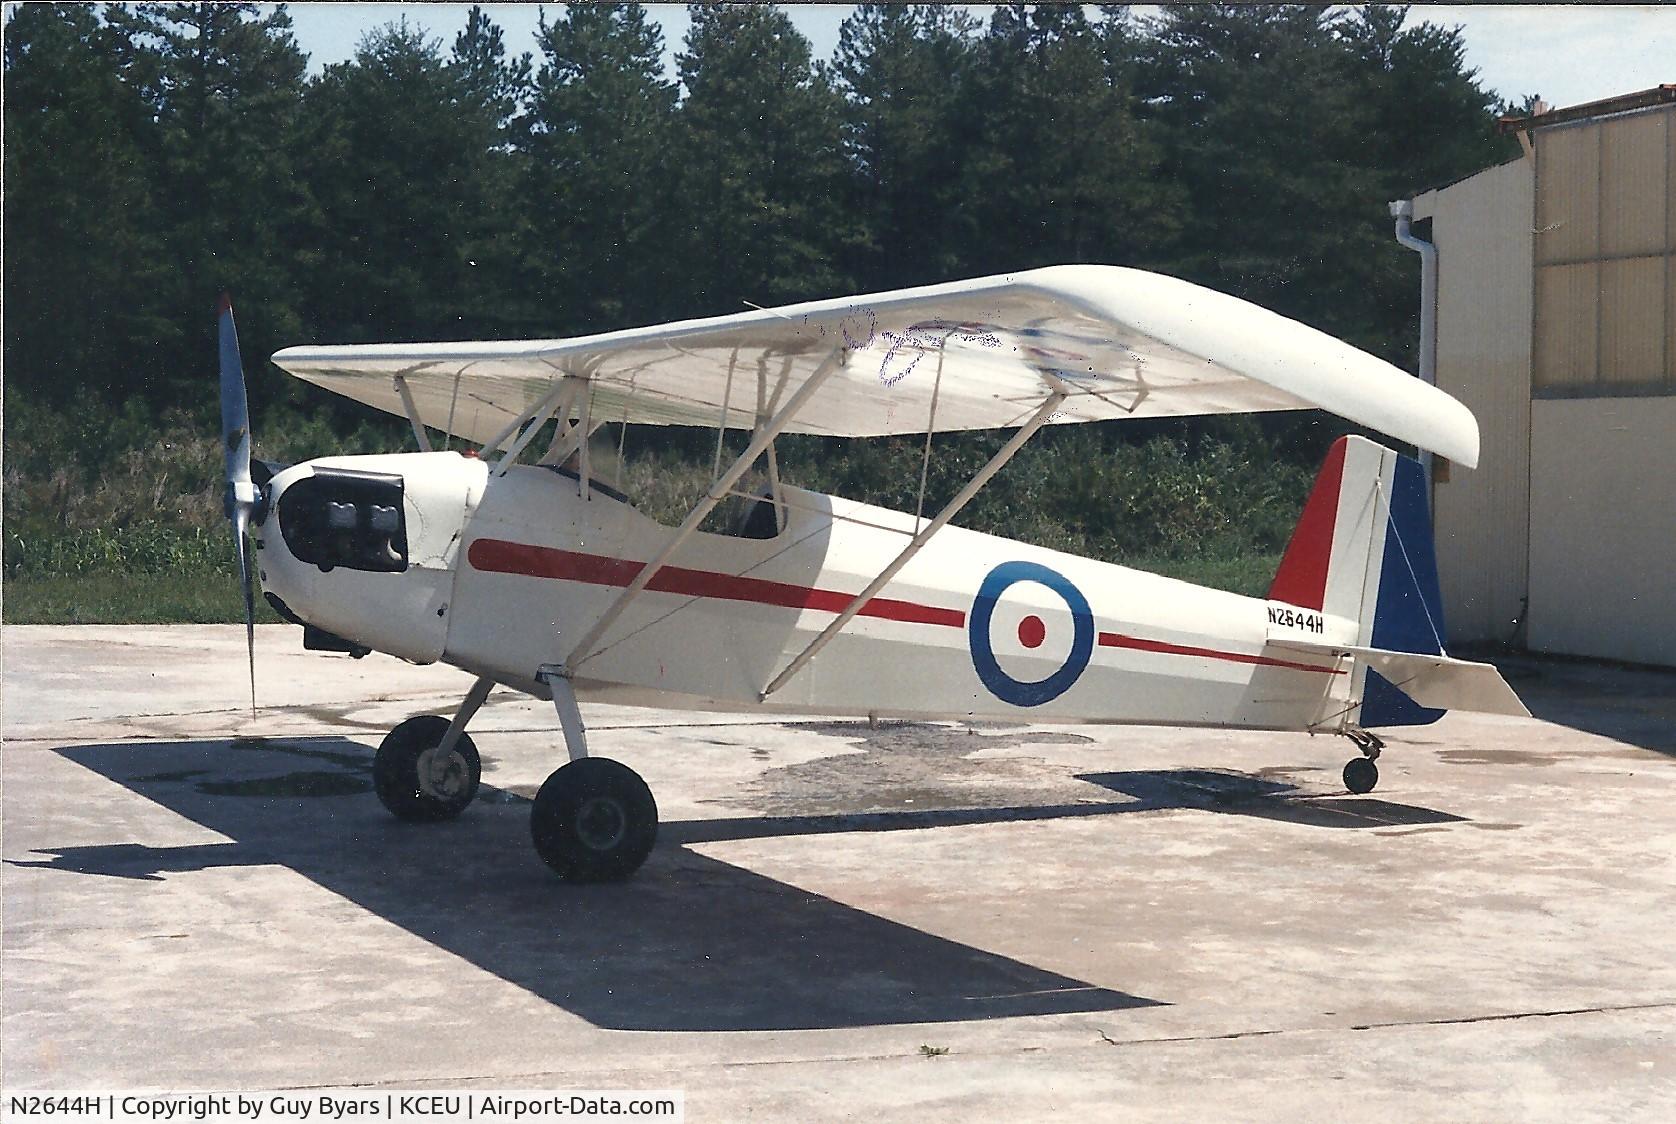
329,1108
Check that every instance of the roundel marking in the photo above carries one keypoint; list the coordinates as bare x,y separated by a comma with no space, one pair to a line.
1004,686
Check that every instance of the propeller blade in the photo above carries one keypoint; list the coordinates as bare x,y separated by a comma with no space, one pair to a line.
235,409
243,498
241,527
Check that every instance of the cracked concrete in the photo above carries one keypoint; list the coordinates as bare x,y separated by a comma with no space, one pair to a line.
1140,923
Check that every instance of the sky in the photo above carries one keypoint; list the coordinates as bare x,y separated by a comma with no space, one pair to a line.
1568,54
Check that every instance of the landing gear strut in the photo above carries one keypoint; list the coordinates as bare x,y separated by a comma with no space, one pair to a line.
594,820
1360,773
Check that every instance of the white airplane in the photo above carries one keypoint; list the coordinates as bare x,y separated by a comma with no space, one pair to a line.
541,578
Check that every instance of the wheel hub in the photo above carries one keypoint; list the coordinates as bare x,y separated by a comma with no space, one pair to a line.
601,823
441,777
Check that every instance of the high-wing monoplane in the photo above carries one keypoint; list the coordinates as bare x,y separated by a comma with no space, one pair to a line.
543,578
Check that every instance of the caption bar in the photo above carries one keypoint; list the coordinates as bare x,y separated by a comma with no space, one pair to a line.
578,1106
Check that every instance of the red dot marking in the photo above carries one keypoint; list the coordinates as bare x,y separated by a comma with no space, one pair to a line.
1031,632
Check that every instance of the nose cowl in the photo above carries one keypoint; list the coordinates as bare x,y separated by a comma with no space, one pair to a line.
364,547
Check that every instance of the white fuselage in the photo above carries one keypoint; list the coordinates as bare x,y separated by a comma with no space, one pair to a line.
506,573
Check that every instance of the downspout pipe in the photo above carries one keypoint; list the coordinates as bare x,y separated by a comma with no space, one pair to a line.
1403,211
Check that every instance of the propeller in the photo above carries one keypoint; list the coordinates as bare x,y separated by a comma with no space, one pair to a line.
243,498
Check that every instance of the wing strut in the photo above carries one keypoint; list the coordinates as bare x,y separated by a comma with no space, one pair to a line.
413,415
718,491
549,402
973,486
775,495
584,430
562,397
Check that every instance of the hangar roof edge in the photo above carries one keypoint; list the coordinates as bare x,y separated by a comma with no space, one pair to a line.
1605,107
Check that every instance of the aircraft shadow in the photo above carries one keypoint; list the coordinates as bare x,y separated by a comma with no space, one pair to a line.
1645,719
936,763
1149,791
1635,705
1239,794
692,943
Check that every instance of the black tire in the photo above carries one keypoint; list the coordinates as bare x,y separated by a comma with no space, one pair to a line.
594,820
395,772
1360,775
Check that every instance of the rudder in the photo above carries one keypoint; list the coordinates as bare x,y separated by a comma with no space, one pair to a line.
1362,553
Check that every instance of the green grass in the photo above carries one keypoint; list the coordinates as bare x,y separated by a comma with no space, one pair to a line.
208,597
1249,574
136,534
126,598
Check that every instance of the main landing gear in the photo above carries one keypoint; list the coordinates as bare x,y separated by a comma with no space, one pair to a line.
594,820
1360,773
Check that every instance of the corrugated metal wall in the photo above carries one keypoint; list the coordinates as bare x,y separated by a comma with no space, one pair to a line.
1557,327
1603,528
1481,227
1603,427
1605,238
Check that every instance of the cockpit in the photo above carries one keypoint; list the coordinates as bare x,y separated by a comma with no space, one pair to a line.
749,511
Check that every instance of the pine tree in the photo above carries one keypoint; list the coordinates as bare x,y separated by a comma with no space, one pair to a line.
489,97
1429,124
1059,169
1266,135
761,173
491,84
161,152
598,193
223,83
410,164
902,70
84,265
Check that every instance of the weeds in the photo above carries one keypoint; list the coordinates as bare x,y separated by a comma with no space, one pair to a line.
96,504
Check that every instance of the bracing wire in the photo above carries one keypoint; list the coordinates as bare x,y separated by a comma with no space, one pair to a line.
1391,521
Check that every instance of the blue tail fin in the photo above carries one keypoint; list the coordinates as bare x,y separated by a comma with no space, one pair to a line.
1408,610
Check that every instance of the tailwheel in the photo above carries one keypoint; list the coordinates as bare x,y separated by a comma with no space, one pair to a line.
594,820
415,782
1360,775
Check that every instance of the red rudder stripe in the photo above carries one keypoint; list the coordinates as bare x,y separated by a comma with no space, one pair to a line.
1302,577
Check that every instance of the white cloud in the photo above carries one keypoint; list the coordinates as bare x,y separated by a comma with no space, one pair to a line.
1567,53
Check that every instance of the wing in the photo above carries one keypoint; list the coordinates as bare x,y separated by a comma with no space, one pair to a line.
981,354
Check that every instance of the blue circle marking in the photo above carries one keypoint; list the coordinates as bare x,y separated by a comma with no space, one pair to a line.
1002,685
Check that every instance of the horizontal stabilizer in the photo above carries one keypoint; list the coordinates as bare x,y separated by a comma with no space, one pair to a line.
1433,681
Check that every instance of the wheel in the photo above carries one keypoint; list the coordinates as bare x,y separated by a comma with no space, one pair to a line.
594,821
405,781
1360,775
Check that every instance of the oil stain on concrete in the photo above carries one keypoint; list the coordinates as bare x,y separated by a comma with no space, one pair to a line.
913,766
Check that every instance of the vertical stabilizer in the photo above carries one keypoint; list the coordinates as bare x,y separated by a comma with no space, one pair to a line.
1362,555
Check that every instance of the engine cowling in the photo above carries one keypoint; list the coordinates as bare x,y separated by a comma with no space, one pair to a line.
365,548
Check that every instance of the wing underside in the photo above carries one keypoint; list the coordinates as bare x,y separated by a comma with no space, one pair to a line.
984,354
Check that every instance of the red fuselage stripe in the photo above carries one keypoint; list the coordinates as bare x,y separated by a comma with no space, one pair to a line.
568,565
502,557
1118,640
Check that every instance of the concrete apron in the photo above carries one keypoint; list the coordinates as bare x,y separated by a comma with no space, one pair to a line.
1147,922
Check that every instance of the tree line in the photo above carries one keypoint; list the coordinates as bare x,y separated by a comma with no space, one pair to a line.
159,153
